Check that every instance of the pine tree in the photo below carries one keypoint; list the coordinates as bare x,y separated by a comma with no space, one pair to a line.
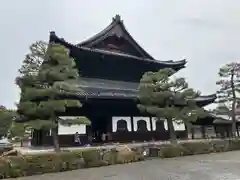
20,132
168,99
44,89
227,94
6,118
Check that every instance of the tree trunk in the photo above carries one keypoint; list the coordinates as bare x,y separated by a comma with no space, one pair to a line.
172,134
233,113
55,139
189,130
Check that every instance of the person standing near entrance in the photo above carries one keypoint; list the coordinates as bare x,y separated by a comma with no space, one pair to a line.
77,141
103,137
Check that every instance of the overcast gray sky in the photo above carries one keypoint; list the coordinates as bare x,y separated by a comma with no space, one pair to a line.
206,32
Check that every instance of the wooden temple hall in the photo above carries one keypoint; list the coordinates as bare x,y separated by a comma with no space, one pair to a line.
111,64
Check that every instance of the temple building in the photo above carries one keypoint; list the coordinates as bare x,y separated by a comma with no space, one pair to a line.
111,64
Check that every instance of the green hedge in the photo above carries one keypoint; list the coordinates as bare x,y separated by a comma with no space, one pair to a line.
193,148
16,166
26,165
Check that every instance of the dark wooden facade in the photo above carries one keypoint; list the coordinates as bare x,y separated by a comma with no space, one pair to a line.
111,65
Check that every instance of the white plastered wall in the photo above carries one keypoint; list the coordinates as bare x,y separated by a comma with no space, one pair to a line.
177,127
210,131
197,131
69,130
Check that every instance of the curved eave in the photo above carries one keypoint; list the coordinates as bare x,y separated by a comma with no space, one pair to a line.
118,96
180,63
177,65
223,119
206,100
91,88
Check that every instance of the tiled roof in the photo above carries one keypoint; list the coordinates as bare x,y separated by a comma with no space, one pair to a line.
102,88
170,62
174,64
117,28
220,118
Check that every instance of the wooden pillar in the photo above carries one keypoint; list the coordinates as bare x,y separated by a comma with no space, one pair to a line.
193,132
203,131
215,130
34,137
151,125
39,137
237,130
132,124
189,130
109,124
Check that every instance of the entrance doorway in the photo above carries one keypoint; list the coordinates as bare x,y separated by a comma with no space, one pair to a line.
100,126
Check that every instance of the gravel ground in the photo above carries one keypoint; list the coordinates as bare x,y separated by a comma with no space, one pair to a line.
221,166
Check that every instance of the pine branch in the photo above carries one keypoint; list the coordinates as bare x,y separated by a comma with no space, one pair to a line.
41,124
76,121
163,97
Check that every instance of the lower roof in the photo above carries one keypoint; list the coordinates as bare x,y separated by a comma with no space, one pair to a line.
102,88
223,119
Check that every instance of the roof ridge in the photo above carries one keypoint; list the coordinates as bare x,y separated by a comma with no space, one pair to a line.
111,27
108,28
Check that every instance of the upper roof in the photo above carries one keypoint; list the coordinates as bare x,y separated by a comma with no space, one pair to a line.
177,65
114,47
115,29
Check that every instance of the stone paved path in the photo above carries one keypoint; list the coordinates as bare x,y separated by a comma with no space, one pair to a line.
221,166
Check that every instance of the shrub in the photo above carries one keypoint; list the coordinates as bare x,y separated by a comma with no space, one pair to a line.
221,146
4,168
197,148
40,163
96,158
127,155
109,157
193,148
234,144
71,160
92,158
16,166
169,151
